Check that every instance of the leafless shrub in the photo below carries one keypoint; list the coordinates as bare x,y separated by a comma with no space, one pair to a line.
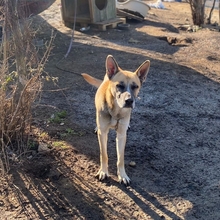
20,80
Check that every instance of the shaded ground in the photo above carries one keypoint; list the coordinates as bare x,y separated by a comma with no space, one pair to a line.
174,137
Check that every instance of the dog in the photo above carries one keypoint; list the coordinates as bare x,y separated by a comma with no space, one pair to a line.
114,101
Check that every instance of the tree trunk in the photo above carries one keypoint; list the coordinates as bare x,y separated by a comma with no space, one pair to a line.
197,8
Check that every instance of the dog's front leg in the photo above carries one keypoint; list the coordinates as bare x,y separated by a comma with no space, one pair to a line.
120,145
102,132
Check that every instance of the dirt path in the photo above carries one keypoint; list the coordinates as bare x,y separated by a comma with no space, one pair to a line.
174,137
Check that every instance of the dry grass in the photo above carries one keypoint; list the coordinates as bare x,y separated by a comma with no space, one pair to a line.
20,81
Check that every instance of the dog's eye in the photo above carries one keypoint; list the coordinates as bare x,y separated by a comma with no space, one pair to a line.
121,87
134,86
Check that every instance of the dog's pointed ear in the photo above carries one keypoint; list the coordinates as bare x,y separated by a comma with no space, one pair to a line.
111,66
143,70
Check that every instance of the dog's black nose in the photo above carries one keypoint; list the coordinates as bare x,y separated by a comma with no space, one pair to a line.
129,103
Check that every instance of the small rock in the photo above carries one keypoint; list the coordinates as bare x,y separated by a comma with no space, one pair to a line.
195,28
30,157
43,148
131,40
132,164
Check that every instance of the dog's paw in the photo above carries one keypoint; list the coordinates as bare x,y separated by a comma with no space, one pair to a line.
124,179
101,175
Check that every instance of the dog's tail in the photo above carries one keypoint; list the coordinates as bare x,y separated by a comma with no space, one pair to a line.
91,80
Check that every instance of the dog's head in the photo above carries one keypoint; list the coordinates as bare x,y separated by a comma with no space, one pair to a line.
125,85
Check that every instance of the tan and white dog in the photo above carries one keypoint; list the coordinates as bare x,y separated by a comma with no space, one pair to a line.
114,101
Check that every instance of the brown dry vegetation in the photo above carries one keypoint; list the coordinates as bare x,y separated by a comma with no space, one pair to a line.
20,81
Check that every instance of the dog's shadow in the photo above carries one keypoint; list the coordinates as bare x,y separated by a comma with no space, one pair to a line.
142,199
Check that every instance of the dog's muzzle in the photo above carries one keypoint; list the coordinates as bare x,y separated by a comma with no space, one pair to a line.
125,100
129,103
